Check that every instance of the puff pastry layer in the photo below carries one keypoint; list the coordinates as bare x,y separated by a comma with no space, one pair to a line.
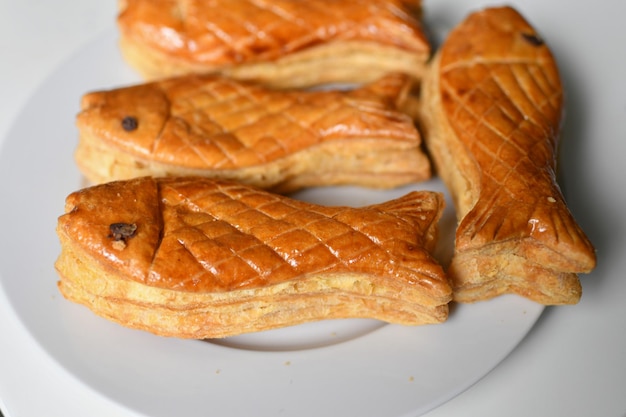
207,125
492,108
198,258
282,43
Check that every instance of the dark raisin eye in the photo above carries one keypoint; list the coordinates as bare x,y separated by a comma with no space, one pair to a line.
532,39
122,231
129,123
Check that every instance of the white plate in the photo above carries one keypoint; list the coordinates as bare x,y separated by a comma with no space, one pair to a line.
335,368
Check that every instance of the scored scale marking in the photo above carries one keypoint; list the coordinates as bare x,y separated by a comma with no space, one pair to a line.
242,238
273,28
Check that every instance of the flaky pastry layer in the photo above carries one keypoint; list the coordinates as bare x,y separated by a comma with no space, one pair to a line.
279,43
198,258
282,140
492,105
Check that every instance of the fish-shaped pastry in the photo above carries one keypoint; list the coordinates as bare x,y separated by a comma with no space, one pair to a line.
492,109
202,258
282,43
213,126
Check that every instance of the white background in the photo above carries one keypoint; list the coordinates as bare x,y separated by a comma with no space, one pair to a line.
573,362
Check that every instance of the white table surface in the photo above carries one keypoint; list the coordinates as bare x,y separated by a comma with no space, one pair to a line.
573,362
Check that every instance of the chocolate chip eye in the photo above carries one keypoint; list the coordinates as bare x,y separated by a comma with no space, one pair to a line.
129,123
532,39
122,231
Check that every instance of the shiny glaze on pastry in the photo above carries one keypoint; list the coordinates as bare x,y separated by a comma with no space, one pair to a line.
210,125
492,108
198,258
283,43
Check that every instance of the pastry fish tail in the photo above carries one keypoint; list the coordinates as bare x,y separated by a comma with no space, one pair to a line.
532,248
538,226
421,209
396,89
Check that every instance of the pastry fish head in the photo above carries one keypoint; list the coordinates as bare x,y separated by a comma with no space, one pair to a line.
118,223
131,117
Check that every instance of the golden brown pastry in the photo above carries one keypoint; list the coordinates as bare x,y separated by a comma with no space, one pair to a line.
281,43
200,258
492,107
209,125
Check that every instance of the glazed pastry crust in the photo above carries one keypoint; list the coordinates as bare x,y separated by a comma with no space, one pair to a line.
214,126
213,259
492,105
278,43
